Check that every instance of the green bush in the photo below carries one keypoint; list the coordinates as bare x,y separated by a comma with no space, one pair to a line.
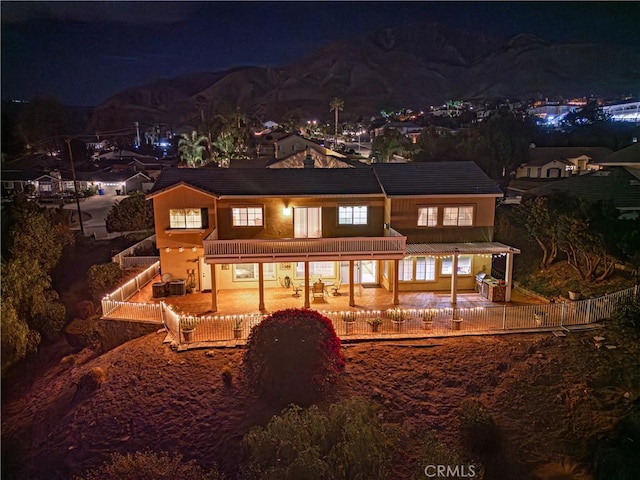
14,336
103,278
130,214
348,442
293,356
434,452
627,315
150,466
617,456
480,434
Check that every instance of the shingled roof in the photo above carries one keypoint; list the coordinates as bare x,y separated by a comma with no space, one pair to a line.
428,178
434,178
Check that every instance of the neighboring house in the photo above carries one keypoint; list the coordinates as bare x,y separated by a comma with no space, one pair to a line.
312,158
561,162
291,143
625,157
619,186
409,227
121,182
408,129
14,181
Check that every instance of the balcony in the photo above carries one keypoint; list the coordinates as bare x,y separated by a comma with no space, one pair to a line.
389,247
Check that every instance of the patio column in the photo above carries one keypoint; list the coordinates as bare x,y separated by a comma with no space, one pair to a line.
396,268
508,277
261,286
306,285
352,300
214,290
454,279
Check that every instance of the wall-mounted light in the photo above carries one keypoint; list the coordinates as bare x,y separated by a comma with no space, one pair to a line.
181,249
194,249
286,211
168,249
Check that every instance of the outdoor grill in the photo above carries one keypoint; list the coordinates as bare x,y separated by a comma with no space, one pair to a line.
490,288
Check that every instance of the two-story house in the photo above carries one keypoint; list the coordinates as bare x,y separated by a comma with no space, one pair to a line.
403,227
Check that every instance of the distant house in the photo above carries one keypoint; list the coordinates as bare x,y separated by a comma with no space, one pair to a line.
626,157
561,162
290,144
311,158
14,181
408,129
121,182
619,186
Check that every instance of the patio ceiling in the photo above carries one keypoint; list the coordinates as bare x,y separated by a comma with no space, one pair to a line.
493,248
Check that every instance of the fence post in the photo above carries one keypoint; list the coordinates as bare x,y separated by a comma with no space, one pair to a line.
504,317
589,311
564,304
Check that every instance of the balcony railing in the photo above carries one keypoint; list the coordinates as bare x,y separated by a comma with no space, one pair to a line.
301,249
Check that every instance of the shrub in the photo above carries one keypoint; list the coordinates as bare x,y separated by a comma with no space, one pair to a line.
627,315
480,433
293,356
348,442
434,452
227,376
150,466
91,380
616,456
103,278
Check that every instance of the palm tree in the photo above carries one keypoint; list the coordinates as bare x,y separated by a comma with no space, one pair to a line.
387,145
192,148
336,105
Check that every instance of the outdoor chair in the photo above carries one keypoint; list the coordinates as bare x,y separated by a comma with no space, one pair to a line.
318,292
336,288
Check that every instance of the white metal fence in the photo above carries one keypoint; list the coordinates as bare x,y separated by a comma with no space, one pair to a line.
128,259
115,305
409,322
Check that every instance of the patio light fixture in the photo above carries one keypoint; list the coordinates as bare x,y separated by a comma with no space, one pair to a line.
181,249
286,211
168,249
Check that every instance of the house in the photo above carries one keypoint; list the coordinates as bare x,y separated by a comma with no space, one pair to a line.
619,186
561,162
14,181
289,144
119,182
625,157
408,129
402,227
312,158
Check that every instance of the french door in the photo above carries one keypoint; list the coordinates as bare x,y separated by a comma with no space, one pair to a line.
307,222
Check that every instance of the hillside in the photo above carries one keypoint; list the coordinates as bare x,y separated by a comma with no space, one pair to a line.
411,66
551,398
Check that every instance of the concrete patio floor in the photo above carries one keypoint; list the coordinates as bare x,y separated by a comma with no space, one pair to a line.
243,301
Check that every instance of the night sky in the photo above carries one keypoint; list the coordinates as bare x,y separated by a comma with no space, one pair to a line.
84,52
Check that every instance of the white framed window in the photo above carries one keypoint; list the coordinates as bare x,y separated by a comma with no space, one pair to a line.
317,269
405,269
425,268
249,271
464,265
307,222
428,216
352,215
247,216
458,216
188,218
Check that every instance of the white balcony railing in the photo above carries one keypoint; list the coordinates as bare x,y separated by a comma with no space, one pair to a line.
301,249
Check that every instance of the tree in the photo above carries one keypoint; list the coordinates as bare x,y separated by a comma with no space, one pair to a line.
192,148
224,148
390,143
347,442
103,277
538,216
130,214
336,105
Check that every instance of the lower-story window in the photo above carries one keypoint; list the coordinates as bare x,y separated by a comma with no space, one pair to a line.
464,265
317,269
417,268
249,271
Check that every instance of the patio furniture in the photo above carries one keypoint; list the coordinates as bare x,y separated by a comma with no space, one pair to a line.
336,288
318,291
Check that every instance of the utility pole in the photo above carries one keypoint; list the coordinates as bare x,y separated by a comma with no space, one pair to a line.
75,184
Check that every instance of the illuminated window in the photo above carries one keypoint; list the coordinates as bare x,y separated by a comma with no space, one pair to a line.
249,271
188,218
317,269
428,216
458,216
352,215
464,265
247,216
405,269
425,268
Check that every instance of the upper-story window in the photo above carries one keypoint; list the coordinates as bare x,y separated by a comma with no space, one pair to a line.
458,216
428,216
188,218
247,216
352,215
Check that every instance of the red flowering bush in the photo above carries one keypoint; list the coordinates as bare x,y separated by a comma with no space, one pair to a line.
292,356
